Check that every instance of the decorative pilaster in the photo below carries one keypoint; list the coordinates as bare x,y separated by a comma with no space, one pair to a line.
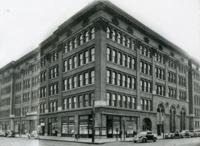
166,59
137,45
100,62
177,81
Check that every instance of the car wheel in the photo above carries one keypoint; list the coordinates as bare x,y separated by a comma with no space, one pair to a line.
143,140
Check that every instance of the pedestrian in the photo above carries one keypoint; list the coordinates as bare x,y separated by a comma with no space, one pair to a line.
117,134
28,135
120,134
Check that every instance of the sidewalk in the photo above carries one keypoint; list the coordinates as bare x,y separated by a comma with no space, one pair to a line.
79,140
86,140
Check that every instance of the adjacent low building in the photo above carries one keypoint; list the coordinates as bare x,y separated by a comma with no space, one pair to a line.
101,61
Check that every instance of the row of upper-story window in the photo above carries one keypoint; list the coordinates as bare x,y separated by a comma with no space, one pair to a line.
146,85
26,72
172,92
146,104
118,37
125,80
6,79
121,58
196,87
145,67
80,39
71,102
82,79
70,63
197,112
196,124
25,110
120,100
6,90
5,101
197,100
128,61
78,80
160,90
121,79
196,76
160,73
26,83
78,101
79,59
26,97
50,57
5,113
129,42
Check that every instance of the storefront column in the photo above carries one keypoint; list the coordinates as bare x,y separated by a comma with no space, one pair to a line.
46,126
59,127
76,120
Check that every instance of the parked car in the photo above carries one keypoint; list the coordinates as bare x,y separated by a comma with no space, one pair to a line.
10,133
185,134
178,135
197,132
169,136
2,134
144,137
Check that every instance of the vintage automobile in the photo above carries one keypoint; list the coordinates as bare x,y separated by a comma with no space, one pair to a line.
185,134
169,136
145,136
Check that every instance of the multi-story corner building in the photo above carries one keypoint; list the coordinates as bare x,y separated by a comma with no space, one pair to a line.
104,61
19,94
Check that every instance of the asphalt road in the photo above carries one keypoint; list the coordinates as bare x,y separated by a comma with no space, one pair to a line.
31,142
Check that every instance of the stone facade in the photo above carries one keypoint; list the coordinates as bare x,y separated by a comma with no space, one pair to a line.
104,61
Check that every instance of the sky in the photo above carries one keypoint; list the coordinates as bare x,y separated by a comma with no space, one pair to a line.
24,24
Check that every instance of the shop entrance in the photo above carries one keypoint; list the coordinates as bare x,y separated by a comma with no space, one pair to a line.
146,124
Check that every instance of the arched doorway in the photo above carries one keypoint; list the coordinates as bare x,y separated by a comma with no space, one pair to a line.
146,124
172,119
182,119
160,119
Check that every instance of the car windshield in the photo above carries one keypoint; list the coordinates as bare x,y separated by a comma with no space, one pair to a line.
142,133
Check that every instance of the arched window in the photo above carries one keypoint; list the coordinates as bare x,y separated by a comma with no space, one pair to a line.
182,119
172,118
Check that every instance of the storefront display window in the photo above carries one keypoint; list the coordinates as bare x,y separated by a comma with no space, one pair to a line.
68,126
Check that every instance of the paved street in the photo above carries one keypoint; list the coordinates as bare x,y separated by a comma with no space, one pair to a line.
32,142
174,142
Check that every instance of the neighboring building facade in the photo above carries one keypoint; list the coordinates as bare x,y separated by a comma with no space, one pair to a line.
104,60
19,94
194,94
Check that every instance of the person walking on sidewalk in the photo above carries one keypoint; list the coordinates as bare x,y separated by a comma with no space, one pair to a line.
117,133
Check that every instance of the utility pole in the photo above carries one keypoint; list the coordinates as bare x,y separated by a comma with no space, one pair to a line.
93,121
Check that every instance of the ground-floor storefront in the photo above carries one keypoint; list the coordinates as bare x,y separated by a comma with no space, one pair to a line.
108,123
20,125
